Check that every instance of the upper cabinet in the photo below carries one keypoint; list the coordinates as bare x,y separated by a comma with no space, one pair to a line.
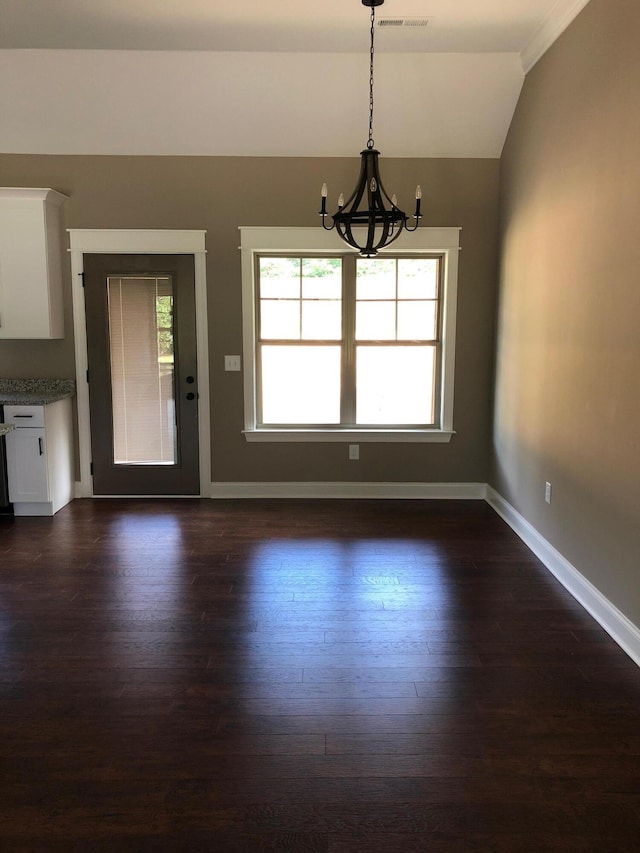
30,263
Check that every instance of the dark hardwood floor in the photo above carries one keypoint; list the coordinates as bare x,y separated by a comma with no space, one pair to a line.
316,676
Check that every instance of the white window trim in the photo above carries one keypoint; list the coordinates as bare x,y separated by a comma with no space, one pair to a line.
445,241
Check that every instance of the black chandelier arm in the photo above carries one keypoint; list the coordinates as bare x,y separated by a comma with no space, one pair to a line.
382,229
327,227
384,195
344,230
323,209
417,215
353,202
369,182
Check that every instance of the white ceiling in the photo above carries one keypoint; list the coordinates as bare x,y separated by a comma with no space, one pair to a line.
266,77
455,26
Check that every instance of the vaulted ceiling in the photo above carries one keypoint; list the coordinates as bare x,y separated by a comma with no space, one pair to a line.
267,76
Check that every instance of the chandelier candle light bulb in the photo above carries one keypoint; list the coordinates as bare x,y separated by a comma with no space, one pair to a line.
369,210
323,211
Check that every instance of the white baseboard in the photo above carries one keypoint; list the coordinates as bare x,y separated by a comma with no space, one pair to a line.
83,491
615,623
417,491
41,508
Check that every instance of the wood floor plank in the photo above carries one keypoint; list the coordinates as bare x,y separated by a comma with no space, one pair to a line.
313,676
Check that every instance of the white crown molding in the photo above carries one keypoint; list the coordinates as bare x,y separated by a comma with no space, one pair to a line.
560,16
416,491
614,622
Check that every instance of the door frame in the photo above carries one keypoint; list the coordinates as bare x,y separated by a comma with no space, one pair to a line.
84,241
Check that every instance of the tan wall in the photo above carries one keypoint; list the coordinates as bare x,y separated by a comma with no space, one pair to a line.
220,194
568,348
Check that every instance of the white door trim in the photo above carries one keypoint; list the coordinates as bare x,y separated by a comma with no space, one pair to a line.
138,242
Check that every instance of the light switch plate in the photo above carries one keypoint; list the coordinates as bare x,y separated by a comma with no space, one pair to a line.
232,362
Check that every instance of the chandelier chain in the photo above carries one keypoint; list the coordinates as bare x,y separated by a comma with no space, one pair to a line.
373,22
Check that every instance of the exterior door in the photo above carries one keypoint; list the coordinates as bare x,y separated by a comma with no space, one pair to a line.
143,397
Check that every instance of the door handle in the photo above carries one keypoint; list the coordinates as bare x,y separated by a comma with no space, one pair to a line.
40,446
190,380
191,396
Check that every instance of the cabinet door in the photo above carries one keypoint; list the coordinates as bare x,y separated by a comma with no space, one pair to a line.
30,264
27,466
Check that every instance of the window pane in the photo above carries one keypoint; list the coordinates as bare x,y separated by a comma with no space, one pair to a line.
142,369
321,320
417,278
321,278
280,319
375,278
376,321
279,278
416,321
395,385
300,385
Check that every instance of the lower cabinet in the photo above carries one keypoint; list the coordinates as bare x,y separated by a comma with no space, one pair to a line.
39,457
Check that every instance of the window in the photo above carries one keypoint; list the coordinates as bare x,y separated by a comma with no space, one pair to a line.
338,347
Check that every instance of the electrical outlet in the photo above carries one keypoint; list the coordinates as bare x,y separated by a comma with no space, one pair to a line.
354,452
547,492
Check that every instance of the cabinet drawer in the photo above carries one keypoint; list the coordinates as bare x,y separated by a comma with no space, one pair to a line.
24,416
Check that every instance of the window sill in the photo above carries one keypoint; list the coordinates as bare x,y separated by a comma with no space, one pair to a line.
422,436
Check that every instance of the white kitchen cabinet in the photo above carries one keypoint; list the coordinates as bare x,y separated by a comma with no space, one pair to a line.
39,457
31,304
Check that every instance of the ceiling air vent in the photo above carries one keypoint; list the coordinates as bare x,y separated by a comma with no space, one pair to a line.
403,22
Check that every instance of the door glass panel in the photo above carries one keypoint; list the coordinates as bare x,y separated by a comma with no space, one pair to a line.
141,341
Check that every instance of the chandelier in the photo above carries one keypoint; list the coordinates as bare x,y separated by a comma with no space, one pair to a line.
369,207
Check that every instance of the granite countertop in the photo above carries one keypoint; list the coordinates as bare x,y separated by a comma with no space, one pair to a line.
5,428
35,392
